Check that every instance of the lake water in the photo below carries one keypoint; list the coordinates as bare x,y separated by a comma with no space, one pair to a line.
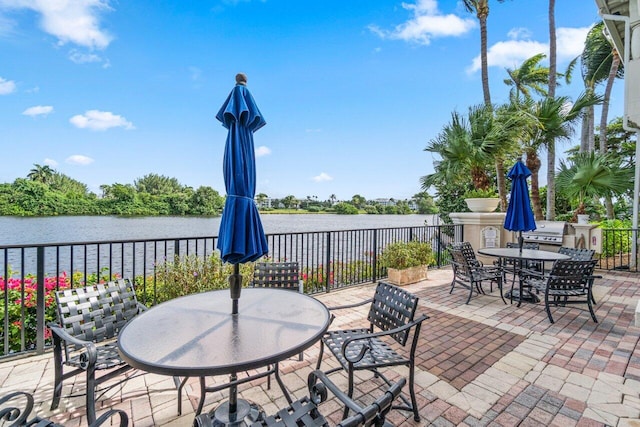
24,231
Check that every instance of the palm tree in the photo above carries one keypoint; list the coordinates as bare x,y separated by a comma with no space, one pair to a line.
529,76
41,173
593,175
550,142
552,118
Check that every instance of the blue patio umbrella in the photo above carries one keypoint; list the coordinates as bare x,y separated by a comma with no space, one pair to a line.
519,213
241,237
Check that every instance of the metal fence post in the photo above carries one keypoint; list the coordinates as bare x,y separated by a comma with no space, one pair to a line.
40,301
327,262
374,258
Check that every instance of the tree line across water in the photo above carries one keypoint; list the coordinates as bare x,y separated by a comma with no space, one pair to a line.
46,192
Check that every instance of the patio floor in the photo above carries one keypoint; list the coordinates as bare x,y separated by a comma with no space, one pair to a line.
480,364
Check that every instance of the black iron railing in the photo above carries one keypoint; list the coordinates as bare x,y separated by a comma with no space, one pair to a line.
618,249
29,274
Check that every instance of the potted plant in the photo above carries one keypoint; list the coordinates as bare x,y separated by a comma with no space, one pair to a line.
482,200
407,262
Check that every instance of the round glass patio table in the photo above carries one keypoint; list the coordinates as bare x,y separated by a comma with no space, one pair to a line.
518,256
197,336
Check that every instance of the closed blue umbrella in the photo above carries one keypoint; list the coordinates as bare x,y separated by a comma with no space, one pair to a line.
519,213
241,237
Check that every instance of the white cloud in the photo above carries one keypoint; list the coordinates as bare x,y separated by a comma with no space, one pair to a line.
322,177
511,53
38,110
79,159
50,162
70,21
427,23
83,58
100,120
262,151
570,41
7,86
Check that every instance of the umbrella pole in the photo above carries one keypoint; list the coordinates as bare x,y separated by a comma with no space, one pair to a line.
235,286
520,241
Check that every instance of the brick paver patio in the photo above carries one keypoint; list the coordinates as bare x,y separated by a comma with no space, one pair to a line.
480,364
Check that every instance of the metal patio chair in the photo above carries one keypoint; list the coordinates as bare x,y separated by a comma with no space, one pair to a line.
568,282
392,311
305,412
469,272
19,415
85,335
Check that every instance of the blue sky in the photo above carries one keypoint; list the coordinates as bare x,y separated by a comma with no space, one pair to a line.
108,91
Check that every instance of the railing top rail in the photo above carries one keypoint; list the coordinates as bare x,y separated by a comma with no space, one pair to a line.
169,239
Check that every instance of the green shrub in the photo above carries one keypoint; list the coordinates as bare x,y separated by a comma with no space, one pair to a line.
401,255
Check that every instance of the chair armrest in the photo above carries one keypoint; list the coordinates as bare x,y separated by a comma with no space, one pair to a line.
358,304
365,348
124,418
318,375
90,347
13,413
142,307
526,272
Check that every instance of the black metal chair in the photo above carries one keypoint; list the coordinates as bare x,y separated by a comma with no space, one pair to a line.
305,413
469,272
392,311
84,337
19,415
568,282
281,275
577,254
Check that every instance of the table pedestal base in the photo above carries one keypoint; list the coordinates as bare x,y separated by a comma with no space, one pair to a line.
247,414
526,296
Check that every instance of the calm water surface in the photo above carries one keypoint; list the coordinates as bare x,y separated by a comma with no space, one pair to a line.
23,231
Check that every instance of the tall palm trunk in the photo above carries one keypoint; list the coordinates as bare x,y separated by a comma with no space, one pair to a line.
482,17
585,130
501,181
615,63
533,163
551,143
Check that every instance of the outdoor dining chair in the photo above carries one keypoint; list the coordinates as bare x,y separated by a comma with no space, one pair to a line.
392,312
569,282
305,412
16,407
85,335
469,272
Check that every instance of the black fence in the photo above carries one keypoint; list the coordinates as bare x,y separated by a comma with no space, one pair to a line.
29,274
618,249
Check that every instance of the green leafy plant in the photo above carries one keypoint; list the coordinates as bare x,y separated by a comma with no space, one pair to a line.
479,193
400,255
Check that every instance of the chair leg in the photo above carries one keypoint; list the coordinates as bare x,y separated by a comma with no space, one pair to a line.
470,292
593,314
453,284
320,355
345,414
412,393
91,395
500,283
57,382
547,308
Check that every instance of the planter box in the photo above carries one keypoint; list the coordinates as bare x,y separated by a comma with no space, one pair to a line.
483,205
407,276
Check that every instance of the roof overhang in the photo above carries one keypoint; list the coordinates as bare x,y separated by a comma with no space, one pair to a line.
616,28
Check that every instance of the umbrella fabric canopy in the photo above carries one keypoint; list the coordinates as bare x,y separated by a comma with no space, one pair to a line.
241,237
519,214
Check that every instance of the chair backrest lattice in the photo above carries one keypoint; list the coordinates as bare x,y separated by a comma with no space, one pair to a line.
463,259
283,275
577,254
97,312
567,275
392,308
525,245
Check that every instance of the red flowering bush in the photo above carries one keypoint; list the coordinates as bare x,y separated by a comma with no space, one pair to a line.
20,299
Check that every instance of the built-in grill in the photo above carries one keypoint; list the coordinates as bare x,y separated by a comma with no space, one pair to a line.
548,233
